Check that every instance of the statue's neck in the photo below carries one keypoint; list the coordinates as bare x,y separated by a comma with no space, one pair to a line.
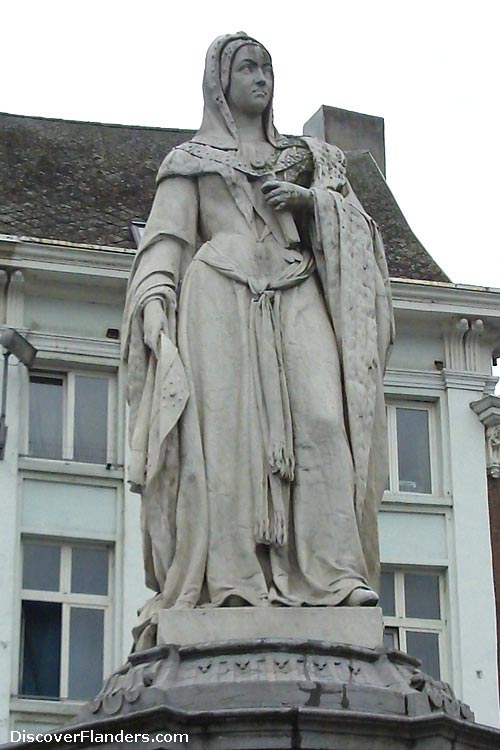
250,127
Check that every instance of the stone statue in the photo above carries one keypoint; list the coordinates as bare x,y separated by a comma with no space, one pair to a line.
257,326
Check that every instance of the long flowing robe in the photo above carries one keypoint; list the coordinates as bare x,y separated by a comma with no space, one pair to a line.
257,436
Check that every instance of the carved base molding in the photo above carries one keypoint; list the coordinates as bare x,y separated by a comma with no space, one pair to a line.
276,693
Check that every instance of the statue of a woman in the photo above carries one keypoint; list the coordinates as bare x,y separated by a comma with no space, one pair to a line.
257,326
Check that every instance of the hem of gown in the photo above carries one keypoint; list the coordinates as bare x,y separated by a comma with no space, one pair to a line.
252,600
275,599
328,600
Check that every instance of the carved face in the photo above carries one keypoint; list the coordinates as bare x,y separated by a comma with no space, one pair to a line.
251,82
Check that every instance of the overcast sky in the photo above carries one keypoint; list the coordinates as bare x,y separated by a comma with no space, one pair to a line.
429,67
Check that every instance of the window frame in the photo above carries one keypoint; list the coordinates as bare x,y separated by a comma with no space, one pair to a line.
392,405
68,601
403,624
68,414
137,227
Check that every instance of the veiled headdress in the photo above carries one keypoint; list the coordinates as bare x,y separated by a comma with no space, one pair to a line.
218,127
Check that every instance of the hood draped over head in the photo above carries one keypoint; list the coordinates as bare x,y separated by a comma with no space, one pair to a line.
218,128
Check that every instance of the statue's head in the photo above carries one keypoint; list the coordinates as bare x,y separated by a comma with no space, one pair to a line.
247,77
238,76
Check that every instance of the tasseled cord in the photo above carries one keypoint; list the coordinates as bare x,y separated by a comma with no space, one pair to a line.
271,528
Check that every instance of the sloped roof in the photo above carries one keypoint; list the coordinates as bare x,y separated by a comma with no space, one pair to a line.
406,256
84,182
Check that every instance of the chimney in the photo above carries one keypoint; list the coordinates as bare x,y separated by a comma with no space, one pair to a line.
350,131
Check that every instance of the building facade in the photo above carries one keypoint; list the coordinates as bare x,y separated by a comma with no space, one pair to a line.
70,547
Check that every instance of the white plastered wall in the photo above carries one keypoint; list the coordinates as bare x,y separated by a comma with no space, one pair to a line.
449,372
449,531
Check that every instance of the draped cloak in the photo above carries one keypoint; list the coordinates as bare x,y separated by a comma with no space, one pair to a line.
239,341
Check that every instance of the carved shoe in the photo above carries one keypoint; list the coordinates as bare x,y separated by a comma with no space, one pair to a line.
361,597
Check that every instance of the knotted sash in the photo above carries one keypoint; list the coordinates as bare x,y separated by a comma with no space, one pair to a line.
269,381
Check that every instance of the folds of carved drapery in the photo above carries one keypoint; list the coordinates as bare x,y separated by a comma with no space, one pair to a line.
351,263
349,258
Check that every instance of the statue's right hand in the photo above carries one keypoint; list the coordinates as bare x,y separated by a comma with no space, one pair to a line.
155,322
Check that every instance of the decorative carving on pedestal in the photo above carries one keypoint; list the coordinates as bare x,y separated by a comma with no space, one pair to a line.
271,673
274,693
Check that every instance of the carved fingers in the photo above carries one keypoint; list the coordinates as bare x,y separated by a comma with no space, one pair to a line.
286,195
155,322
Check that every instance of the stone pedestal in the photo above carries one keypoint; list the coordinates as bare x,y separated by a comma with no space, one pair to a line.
278,693
265,691
357,627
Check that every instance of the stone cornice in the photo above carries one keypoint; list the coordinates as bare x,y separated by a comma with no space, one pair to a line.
488,410
413,379
54,348
468,381
32,253
441,297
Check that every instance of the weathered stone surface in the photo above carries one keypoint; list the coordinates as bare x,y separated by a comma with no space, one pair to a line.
277,693
257,422
272,673
361,626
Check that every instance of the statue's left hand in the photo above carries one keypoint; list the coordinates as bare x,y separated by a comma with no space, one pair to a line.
155,322
286,195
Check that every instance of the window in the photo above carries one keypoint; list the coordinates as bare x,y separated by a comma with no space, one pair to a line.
65,618
136,227
69,417
411,449
412,603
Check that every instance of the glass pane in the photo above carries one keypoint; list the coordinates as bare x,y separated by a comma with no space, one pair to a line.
425,646
413,450
86,636
91,419
387,445
41,655
45,417
391,639
387,593
89,571
41,564
422,596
